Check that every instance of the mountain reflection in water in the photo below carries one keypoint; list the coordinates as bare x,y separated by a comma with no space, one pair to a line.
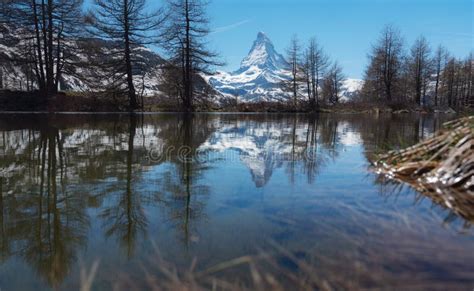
80,188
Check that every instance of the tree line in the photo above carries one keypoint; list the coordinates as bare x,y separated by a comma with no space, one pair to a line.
52,35
419,75
395,75
60,37
314,77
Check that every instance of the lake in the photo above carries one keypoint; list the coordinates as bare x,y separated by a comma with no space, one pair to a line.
252,200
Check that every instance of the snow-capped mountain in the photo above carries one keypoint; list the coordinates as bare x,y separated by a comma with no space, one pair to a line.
263,56
350,89
263,146
260,76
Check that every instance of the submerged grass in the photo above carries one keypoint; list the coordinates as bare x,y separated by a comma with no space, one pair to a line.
277,268
380,257
371,255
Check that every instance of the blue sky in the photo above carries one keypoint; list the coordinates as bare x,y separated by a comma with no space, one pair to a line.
346,28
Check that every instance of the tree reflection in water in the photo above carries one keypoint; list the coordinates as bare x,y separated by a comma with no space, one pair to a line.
126,219
65,179
45,223
183,195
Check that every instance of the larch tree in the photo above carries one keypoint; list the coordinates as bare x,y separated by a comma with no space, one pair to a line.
439,62
318,63
420,68
186,43
456,82
44,28
385,65
294,66
333,82
449,81
468,81
306,70
127,26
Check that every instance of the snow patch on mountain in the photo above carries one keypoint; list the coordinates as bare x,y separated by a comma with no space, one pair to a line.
351,88
263,55
261,74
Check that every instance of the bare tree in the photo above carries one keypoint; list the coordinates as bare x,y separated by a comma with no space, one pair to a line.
456,82
43,28
306,71
383,74
471,79
128,27
294,66
318,63
420,67
469,75
439,61
185,37
449,81
333,83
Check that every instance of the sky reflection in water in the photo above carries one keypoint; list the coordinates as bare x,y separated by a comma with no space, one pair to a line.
115,188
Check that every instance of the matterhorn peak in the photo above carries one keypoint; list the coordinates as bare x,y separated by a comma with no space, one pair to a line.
261,36
260,76
263,55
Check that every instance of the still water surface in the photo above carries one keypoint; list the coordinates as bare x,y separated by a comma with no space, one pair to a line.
130,193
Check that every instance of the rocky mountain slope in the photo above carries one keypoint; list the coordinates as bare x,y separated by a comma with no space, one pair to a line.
78,73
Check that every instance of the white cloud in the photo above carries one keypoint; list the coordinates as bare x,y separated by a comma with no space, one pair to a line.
231,26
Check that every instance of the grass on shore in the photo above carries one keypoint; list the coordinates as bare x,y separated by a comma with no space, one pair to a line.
441,167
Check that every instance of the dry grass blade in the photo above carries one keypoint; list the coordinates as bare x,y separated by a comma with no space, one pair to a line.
441,167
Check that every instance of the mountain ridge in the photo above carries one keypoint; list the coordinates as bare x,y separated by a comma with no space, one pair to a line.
263,55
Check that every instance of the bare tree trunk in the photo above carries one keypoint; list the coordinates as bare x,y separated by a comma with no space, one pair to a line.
436,89
387,78
418,84
295,91
317,77
439,59
50,73
308,88
58,58
314,89
45,48
128,62
183,73
187,85
39,57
